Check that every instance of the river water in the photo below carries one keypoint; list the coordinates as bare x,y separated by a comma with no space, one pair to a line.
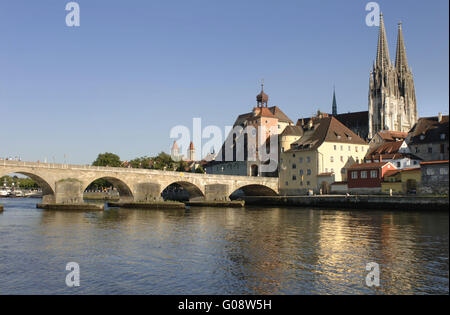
222,251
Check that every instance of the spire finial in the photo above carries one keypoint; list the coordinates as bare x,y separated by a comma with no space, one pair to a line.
262,84
401,62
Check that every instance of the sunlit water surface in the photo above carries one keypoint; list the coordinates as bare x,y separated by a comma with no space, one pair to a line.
222,251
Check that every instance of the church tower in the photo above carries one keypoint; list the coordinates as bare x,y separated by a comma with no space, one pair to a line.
392,99
334,109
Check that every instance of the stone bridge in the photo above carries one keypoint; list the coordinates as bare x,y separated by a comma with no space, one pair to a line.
63,183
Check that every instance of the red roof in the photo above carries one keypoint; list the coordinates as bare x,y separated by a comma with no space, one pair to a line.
392,135
370,165
434,162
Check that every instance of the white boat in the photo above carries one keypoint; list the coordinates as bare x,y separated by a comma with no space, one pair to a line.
4,193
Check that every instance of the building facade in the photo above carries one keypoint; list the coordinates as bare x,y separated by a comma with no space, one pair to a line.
392,97
434,178
429,139
320,158
367,178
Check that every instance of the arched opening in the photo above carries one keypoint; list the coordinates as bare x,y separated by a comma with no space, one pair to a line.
411,186
182,191
107,188
325,188
252,190
254,171
25,185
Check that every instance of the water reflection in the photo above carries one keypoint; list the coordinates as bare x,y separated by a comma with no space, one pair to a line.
223,251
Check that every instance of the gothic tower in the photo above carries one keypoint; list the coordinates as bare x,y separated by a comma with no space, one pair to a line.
334,109
392,99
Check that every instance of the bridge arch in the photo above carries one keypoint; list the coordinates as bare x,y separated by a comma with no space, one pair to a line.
192,190
253,190
48,193
123,189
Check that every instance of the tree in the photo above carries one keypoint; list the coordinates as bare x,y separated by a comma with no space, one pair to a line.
107,159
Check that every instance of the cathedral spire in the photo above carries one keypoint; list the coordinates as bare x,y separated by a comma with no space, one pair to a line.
401,62
383,59
334,102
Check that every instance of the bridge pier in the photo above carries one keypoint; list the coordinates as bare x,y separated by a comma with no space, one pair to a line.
68,191
217,192
146,192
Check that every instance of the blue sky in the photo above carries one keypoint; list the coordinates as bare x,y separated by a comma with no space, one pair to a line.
135,69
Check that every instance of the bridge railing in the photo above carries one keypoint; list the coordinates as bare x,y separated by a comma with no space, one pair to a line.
12,163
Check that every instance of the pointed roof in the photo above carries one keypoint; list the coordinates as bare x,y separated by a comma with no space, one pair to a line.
262,98
326,129
191,146
175,146
383,58
334,103
401,62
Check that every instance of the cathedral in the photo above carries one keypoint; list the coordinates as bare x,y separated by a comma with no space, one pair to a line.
392,97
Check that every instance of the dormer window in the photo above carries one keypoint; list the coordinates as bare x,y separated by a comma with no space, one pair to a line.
422,137
442,136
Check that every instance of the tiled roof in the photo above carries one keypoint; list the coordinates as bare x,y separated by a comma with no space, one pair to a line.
434,162
292,131
327,129
280,115
354,119
429,130
369,165
392,135
387,148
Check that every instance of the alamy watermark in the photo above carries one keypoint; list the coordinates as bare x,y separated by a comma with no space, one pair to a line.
73,277
254,143
373,17
73,17
373,277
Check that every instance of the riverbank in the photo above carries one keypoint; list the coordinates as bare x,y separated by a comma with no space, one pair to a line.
354,202
71,207
148,205
100,196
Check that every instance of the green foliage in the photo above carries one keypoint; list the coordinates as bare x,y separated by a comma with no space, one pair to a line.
100,184
107,159
200,170
24,183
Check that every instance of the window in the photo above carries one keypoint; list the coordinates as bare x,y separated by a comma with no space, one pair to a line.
373,174
349,148
301,160
443,171
430,150
442,136
342,159
293,155
309,172
279,126
301,172
335,147
417,150
356,149
294,166
430,172
422,137
331,159
308,183
287,183
342,148
294,178
308,159
364,174
301,183
399,164
332,170
354,175
343,170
